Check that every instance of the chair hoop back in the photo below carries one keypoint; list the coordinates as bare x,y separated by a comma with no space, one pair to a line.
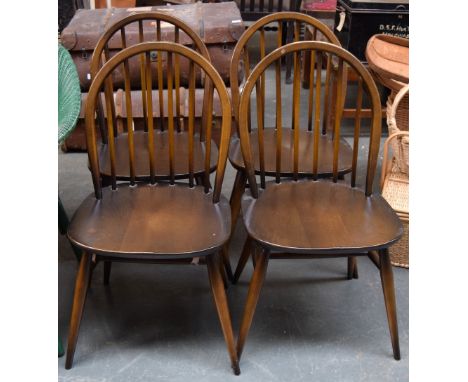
280,18
195,59
102,53
365,82
140,17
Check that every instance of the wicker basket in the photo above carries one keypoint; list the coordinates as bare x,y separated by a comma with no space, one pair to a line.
398,120
399,252
394,181
395,190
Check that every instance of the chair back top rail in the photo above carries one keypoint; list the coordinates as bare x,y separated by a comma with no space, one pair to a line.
139,17
172,52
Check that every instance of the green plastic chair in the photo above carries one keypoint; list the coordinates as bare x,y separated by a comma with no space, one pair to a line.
69,104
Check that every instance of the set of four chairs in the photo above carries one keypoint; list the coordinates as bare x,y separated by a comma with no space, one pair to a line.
157,191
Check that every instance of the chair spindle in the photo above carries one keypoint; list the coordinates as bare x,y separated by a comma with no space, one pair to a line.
191,121
170,113
149,93
160,78
142,74
177,84
339,111
357,131
260,127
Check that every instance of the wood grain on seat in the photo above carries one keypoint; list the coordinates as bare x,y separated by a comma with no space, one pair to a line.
162,220
306,147
320,217
161,147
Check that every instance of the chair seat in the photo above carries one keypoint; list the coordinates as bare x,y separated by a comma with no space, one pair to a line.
162,220
320,218
306,146
161,150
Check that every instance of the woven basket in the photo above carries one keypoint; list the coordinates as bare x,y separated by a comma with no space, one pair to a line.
395,190
398,120
399,252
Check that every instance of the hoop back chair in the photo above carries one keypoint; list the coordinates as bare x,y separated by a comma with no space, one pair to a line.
241,51
164,26
159,219
318,217
269,132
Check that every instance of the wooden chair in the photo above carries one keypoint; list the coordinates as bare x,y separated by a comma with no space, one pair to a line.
306,135
322,218
115,36
155,220
162,28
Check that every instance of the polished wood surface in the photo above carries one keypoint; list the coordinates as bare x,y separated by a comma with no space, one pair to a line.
325,217
151,220
320,217
155,220
305,153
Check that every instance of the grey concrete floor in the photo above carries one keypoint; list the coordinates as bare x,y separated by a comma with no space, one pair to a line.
158,322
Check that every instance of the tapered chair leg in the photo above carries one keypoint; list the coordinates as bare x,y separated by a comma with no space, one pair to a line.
222,272
386,275
226,262
236,197
352,268
235,203
243,259
253,255
252,299
220,300
107,271
81,289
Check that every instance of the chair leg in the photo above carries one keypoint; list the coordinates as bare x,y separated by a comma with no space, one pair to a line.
81,289
220,300
107,271
243,259
236,197
355,272
352,268
226,262
253,256
252,299
222,272
386,275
